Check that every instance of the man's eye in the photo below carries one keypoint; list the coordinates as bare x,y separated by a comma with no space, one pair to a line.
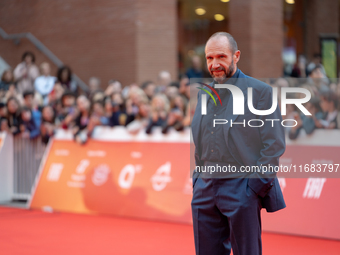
222,56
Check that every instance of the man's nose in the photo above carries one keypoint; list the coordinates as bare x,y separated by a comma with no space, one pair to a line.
215,64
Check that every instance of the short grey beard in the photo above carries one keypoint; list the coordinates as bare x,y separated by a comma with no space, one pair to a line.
227,75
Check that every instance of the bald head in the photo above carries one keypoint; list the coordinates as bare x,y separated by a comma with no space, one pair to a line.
229,39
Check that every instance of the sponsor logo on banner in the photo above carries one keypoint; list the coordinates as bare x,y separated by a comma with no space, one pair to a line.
314,188
100,174
136,154
54,172
162,177
62,152
78,179
127,175
96,153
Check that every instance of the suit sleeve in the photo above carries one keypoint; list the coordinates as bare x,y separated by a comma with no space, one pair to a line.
273,144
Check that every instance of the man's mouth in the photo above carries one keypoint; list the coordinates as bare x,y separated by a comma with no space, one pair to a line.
218,72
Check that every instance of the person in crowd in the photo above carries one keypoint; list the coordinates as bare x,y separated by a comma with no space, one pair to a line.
13,116
136,94
108,107
3,116
163,80
54,98
304,122
81,119
44,84
30,103
7,79
299,68
26,72
172,90
316,61
142,117
64,77
184,87
195,71
329,104
29,125
48,123
176,115
113,86
118,100
12,92
113,112
318,80
149,89
28,100
94,84
97,96
98,116
67,109
159,112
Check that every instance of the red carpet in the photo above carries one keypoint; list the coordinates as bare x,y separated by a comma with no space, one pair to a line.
35,232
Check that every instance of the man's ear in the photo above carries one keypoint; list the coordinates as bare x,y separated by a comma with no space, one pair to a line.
237,56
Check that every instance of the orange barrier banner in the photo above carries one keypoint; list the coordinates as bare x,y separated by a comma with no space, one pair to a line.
150,180
136,177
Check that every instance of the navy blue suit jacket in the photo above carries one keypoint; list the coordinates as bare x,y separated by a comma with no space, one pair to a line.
251,146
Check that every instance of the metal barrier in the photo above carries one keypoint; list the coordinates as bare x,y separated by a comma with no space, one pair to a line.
27,156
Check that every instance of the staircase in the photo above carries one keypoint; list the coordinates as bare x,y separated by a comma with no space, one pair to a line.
12,46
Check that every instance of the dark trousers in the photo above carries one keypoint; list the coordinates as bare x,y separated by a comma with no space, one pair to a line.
226,214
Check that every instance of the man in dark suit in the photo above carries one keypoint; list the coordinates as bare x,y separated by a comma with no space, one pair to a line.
226,208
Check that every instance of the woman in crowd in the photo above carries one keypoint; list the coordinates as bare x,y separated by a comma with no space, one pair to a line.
64,77
13,116
113,112
48,123
329,105
81,119
159,112
7,79
98,116
26,72
135,95
66,109
176,115
141,119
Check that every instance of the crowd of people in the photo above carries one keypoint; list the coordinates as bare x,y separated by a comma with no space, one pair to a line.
34,103
325,93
